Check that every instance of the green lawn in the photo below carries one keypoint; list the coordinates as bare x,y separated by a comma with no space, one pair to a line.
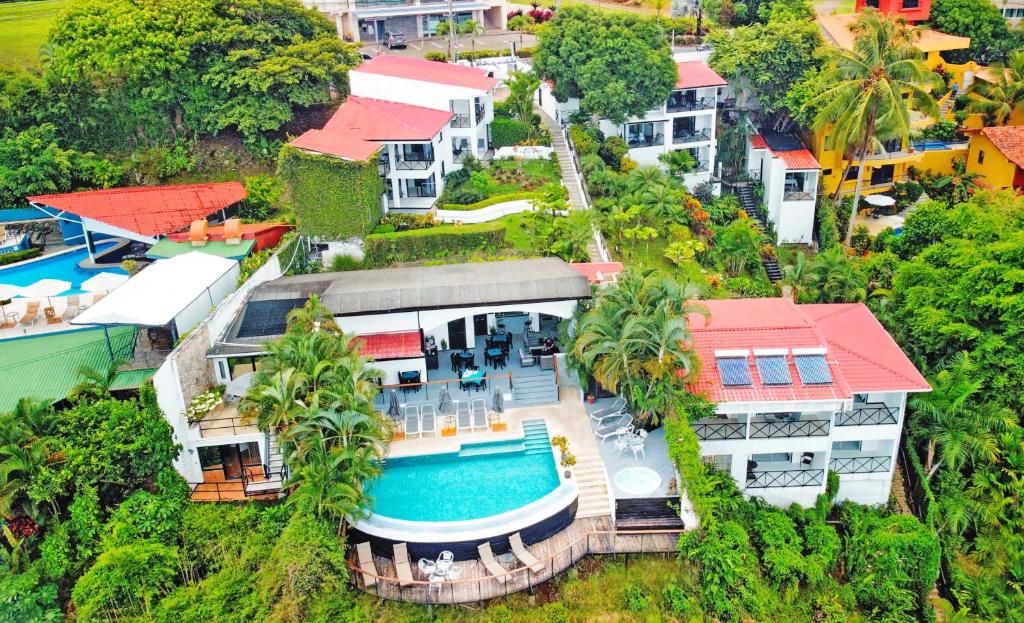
24,27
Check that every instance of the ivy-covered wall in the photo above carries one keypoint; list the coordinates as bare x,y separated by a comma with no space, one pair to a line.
333,198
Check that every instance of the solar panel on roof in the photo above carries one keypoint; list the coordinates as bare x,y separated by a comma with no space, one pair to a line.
735,371
265,318
773,370
813,369
781,142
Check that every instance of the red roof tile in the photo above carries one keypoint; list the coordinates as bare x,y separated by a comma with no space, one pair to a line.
148,210
696,74
428,71
795,159
383,346
361,123
607,270
861,356
1009,140
758,142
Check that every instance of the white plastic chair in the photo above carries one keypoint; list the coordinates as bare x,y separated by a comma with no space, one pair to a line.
637,443
428,420
412,421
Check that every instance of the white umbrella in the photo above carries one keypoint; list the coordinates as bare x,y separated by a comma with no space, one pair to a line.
47,288
104,282
881,201
239,387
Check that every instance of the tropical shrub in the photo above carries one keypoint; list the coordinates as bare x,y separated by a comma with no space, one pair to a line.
506,131
20,256
433,243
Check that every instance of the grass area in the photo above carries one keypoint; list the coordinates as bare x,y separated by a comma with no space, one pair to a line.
24,27
502,177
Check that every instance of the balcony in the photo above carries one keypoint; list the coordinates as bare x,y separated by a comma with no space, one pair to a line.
868,414
714,431
414,163
384,167
797,195
764,429
480,109
646,141
860,464
420,191
461,121
459,155
686,135
769,479
702,167
687,105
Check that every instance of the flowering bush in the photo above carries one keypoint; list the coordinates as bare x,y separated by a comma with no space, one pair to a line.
203,404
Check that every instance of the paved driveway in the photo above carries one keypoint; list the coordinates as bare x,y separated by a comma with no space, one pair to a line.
493,40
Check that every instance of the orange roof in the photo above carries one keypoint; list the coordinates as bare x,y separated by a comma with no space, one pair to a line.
383,346
836,29
598,272
428,71
795,159
148,210
696,74
1009,140
357,128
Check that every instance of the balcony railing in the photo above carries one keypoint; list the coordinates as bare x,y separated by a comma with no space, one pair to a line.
691,136
413,164
702,167
784,478
860,464
461,121
480,110
384,167
871,414
460,155
797,195
704,103
707,431
646,141
804,428
420,191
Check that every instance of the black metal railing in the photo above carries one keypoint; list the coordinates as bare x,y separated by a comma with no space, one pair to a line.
785,478
480,109
687,135
414,164
860,464
802,428
420,191
707,431
459,155
797,195
685,105
646,141
461,121
702,167
871,414
384,167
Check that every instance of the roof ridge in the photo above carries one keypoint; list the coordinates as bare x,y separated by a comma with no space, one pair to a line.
873,362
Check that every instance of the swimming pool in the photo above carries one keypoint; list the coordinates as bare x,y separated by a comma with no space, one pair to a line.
480,480
63,266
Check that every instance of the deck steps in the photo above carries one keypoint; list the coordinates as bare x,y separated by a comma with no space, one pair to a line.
274,481
535,390
749,204
592,482
647,514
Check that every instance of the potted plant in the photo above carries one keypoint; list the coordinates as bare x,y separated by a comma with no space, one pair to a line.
568,460
591,399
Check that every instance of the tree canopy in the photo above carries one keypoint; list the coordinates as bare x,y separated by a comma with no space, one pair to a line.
618,65
981,20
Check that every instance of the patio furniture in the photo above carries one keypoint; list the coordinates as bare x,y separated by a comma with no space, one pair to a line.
412,421
410,381
366,564
636,444
73,308
456,362
494,357
463,415
547,362
31,314
473,377
613,429
604,413
526,360
428,420
445,560
491,563
479,414
807,459
524,554
51,316
402,568
621,445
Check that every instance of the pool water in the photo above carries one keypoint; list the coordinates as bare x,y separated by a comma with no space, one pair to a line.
63,266
481,480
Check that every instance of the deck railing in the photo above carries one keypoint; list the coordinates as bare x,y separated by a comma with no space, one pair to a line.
800,428
432,389
784,478
860,464
708,431
872,413
470,590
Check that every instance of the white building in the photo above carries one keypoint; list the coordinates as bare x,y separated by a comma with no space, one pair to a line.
368,20
789,177
418,118
801,390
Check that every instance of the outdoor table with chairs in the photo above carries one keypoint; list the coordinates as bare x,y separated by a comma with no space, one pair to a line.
495,357
439,571
410,380
473,377
461,360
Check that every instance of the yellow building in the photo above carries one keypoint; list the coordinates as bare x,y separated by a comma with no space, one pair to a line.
997,153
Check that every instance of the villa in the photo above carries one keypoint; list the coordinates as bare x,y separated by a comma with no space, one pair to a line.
368,20
789,177
997,153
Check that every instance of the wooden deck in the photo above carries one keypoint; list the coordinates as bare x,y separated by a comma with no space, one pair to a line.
586,536
216,488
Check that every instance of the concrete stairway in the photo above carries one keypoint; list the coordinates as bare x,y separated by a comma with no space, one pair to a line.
899,491
535,389
274,481
593,484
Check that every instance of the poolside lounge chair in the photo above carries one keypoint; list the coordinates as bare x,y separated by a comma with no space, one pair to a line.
524,554
412,421
615,428
463,415
366,564
73,308
491,563
31,314
479,413
428,420
402,567
605,413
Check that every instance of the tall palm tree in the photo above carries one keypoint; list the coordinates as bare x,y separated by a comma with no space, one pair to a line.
797,275
312,315
95,383
961,182
1000,99
679,161
871,90
836,278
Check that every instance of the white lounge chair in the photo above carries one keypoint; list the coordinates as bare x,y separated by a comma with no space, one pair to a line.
428,420
463,415
479,414
492,565
402,567
366,564
412,421
609,412
524,554
614,428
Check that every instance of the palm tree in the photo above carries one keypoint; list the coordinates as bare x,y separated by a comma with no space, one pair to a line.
836,278
679,161
962,183
797,276
311,316
95,383
738,244
998,100
521,87
871,89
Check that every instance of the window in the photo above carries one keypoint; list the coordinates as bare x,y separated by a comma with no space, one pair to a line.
911,4
644,135
851,174
718,462
847,446
981,156
827,172
772,457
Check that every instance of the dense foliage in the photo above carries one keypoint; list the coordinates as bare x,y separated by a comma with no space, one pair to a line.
434,243
981,21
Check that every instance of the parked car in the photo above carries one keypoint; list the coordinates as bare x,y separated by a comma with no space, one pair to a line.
394,39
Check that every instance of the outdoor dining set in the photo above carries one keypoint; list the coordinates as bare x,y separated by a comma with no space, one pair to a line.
615,424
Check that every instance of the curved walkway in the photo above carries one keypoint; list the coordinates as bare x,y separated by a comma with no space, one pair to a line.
483,215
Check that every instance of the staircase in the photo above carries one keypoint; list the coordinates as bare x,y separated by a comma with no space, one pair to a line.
274,481
749,205
535,390
593,486
647,514
899,491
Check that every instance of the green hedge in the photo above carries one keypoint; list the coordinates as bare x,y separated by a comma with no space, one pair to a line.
17,256
332,197
433,243
496,199
473,55
506,131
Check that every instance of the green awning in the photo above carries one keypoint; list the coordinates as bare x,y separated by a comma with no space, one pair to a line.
168,248
131,379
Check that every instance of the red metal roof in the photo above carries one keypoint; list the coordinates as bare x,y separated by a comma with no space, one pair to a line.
148,210
696,74
795,159
361,123
607,270
1009,140
861,356
428,71
383,346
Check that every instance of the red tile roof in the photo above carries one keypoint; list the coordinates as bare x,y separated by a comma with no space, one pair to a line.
428,71
795,159
696,74
861,356
608,270
383,346
1009,140
356,129
148,210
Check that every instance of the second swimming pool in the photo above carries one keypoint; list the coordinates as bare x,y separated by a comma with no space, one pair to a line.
63,266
